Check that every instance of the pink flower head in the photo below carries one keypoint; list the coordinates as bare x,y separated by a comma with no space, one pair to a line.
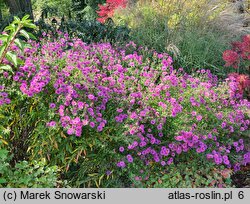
199,117
91,97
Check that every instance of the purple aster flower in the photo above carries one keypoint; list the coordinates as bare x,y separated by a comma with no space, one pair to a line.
51,124
129,158
236,167
163,163
137,178
121,149
119,110
80,105
99,128
152,122
52,105
91,97
235,144
199,117
70,131
160,134
193,113
159,127
92,124
223,125
170,161
16,78
121,164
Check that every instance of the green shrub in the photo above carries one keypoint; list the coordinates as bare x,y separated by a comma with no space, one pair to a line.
25,174
88,30
191,174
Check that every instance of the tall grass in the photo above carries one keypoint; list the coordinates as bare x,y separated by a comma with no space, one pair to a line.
194,31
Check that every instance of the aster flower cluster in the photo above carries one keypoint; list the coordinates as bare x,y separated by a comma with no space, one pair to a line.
163,112
4,96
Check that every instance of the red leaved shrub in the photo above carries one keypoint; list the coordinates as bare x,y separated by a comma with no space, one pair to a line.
239,54
107,11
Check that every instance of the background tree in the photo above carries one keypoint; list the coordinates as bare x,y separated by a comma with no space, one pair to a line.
1,16
20,7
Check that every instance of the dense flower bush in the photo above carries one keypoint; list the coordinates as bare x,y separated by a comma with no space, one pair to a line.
163,113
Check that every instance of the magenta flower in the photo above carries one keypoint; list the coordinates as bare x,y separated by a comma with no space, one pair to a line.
152,122
199,117
159,127
91,97
119,110
92,124
51,124
52,105
129,158
121,164
70,131
121,149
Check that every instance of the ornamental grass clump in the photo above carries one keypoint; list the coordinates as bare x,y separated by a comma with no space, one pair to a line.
164,115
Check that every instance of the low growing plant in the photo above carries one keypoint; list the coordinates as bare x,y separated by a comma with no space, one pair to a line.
25,174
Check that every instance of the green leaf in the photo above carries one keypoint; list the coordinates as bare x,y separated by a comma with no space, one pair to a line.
25,17
3,37
3,154
6,67
19,61
19,43
1,50
2,180
27,46
30,25
11,27
32,36
12,58
25,34
16,19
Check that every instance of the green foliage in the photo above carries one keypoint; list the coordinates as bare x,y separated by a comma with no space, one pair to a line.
46,8
195,173
16,118
186,29
88,30
85,9
73,9
84,161
4,15
9,38
25,174
93,31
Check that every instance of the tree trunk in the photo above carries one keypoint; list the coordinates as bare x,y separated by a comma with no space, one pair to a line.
1,16
20,7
